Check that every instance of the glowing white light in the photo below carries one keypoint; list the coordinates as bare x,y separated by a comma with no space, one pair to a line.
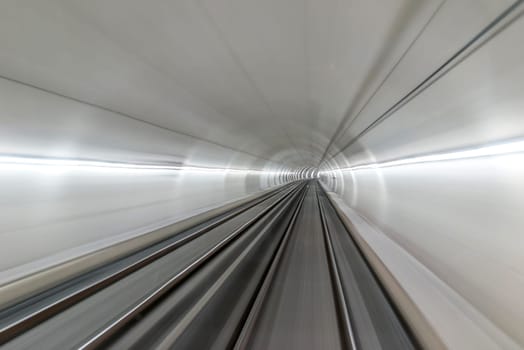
487,151
59,166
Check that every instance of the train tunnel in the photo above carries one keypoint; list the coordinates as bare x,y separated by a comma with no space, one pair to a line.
262,174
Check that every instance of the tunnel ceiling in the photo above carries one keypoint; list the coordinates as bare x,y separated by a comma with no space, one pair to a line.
265,77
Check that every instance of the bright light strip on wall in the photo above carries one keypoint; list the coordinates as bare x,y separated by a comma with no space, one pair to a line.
487,151
60,165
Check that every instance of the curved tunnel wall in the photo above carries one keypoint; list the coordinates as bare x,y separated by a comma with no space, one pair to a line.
76,178
434,189
440,180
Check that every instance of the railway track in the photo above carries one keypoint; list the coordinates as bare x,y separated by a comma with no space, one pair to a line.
278,272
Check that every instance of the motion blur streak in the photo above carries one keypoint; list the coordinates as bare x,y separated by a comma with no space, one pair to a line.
44,165
124,122
503,149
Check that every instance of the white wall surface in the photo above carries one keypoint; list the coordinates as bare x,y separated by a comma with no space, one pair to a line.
442,179
56,203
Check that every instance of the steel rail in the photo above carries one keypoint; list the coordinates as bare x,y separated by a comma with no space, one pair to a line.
250,323
103,335
347,332
30,319
172,336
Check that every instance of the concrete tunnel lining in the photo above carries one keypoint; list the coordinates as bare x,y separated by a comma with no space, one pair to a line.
192,105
